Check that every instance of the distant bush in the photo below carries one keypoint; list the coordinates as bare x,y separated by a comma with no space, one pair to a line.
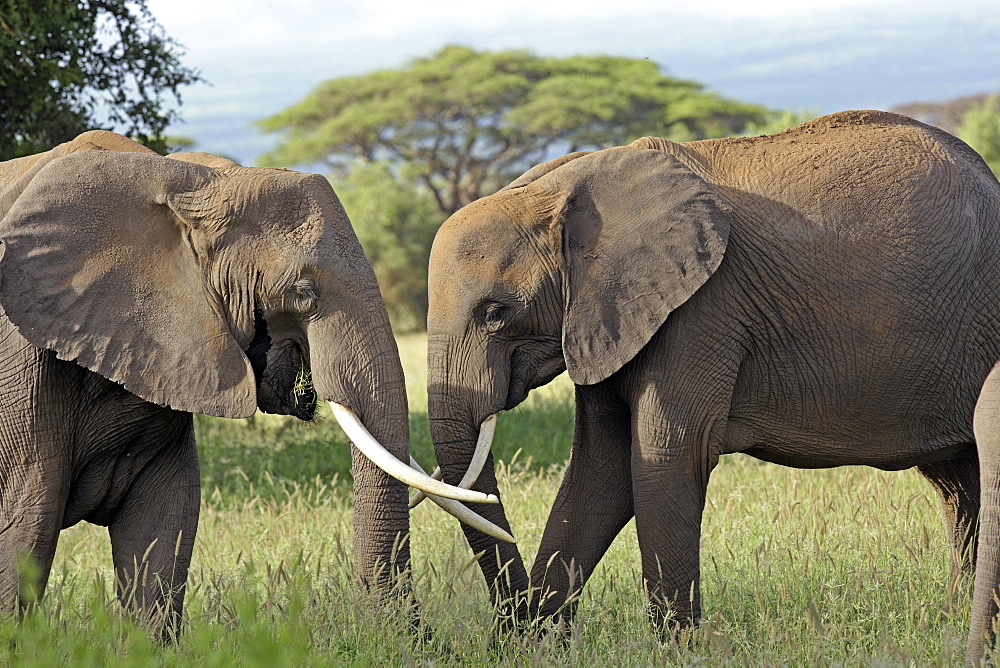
395,221
467,122
980,128
779,121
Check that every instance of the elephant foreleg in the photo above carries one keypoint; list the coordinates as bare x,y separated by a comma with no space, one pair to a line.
672,458
593,504
957,481
32,501
152,536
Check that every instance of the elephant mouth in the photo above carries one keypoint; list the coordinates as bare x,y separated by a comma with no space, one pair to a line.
286,386
282,374
303,393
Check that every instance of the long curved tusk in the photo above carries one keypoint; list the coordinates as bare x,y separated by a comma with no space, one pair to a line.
366,443
465,515
483,445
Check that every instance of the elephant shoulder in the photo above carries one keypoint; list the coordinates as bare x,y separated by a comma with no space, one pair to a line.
110,141
693,155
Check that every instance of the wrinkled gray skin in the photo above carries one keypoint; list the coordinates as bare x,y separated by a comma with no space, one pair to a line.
826,296
137,289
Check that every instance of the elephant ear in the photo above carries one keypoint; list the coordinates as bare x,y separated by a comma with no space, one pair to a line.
97,267
15,175
641,233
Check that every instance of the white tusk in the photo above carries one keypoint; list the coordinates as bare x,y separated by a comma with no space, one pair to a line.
483,445
385,460
463,514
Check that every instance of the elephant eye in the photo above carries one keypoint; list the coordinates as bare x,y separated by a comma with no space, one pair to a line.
494,316
304,298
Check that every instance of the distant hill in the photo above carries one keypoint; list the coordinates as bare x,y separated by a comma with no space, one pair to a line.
945,115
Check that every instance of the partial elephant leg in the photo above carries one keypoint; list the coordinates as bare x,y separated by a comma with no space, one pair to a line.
672,458
593,504
669,501
957,481
987,589
152,535
32,500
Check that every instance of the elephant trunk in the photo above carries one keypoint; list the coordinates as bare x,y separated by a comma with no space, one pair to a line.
986,594
455,434
355,363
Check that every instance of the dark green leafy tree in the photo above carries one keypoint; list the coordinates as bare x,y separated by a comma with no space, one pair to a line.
980,128
466,122
69,66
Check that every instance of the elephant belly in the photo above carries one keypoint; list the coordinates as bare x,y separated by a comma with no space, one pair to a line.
893,430
807,450
831,389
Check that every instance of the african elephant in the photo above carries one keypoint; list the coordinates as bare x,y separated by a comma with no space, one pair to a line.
825,296
137,289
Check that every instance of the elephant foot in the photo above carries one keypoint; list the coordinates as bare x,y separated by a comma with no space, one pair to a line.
671,626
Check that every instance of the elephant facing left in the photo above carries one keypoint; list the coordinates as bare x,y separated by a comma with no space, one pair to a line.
136,289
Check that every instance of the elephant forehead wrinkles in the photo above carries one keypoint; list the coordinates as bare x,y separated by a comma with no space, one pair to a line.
495,247
280,204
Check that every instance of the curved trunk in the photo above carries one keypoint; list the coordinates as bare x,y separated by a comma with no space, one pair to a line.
985,605
456,409
355,362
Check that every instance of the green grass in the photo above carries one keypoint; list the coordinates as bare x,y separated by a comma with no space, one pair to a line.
845,565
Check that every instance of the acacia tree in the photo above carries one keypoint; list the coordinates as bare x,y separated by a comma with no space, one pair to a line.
465,122
67,66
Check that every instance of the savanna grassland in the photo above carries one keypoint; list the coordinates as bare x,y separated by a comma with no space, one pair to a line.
846,565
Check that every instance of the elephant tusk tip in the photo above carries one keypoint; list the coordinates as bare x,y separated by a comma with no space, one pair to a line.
492,498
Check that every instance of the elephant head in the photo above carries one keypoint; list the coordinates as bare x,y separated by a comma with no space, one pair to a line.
204,286
574,266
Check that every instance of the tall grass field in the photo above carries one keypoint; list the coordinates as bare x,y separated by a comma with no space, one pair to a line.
841,566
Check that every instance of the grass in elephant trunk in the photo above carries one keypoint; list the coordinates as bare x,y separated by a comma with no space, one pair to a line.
844,565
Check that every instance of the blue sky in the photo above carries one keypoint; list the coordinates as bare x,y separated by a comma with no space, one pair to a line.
261,56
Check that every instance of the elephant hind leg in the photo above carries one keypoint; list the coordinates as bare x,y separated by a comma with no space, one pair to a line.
957,482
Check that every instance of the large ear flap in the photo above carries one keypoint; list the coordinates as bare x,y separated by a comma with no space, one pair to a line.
15,175
98,268
641,233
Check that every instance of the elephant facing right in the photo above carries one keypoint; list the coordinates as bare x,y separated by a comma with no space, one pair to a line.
825,296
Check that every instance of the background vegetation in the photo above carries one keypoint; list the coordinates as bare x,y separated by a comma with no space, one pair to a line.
847,565
842,566
980,127
68,67
465,122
